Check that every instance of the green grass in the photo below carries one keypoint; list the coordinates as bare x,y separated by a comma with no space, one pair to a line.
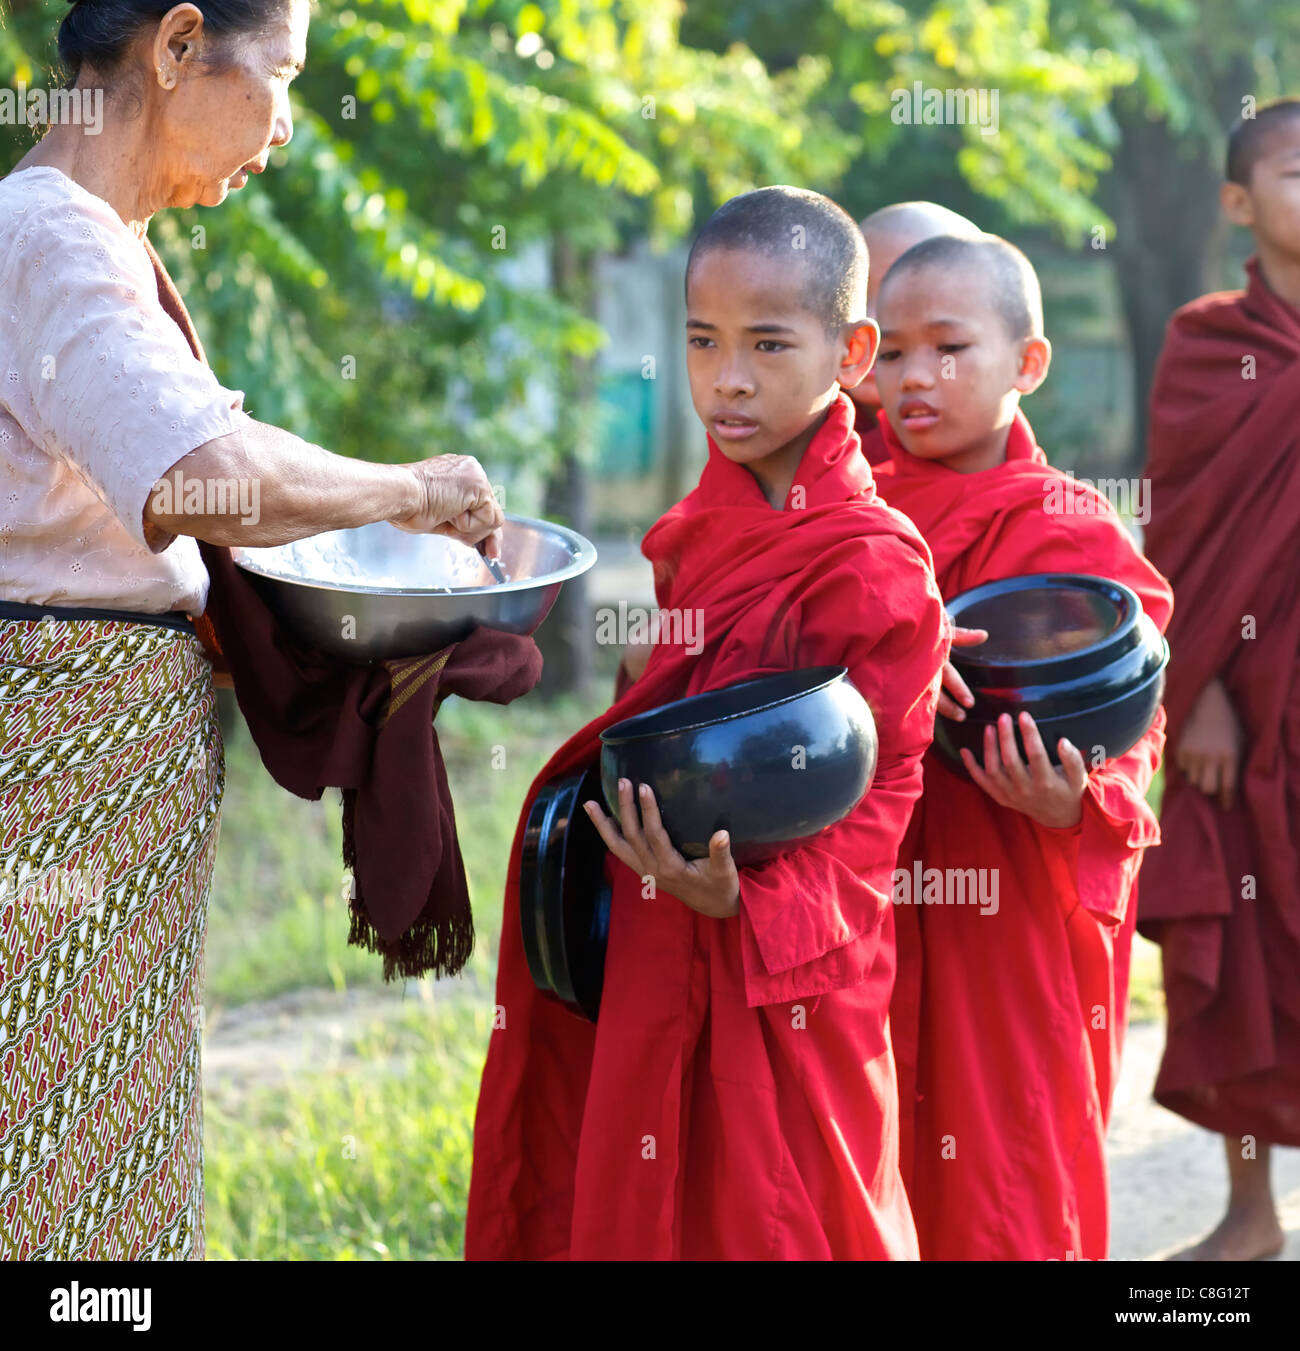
1156,793
370,1161
278,920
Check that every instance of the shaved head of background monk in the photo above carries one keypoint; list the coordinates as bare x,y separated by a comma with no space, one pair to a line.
961,324
889,233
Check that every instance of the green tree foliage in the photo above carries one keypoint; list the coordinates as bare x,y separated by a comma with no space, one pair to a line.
434,142
1200,69
1112,120
1052,90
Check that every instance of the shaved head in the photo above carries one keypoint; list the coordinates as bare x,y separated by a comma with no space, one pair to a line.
892,230
1255,137
796,226
918,220
1012,284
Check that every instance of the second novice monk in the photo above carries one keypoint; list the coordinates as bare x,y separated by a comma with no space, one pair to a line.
1009,1016
890,232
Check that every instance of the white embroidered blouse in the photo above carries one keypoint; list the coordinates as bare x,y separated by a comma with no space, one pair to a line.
99,396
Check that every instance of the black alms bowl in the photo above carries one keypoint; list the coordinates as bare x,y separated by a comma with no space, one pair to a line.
1076,652
772,761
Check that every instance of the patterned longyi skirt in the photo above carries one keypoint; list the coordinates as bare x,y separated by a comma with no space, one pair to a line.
111,774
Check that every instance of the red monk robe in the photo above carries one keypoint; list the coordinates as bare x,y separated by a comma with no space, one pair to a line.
1007,1025
1225,526
737,1098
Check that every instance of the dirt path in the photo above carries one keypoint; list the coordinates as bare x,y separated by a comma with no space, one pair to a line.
1167,1177
266,1042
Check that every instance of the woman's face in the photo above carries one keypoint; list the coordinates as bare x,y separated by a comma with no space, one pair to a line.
221,104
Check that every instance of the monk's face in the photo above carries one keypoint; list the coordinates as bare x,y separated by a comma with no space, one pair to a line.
227,105
1270,205
949,372
763,369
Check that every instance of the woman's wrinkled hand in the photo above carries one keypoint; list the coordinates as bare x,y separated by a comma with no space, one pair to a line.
457,500
954,696
710,885
1049,794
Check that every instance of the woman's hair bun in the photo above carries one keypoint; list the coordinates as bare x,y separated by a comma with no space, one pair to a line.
101,31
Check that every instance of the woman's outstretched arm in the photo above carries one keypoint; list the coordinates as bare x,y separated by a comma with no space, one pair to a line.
271,487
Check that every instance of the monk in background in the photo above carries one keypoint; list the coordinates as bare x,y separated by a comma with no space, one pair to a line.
1222,896
889,233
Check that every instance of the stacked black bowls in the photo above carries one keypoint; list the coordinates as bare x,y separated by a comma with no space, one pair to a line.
1076,652
563,896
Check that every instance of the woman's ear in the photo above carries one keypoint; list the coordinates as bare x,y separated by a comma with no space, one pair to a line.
861,343
1035,358
176,43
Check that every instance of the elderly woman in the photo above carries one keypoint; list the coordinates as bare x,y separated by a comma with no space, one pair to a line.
110,753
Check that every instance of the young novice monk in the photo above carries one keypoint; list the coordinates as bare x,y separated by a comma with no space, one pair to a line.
1008,1016
737,1097
1222,895
889,232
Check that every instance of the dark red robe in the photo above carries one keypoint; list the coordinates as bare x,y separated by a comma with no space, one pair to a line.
1224,467
737,1098
1008,1023
867,426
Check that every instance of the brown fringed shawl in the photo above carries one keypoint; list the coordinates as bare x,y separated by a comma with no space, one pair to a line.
367,730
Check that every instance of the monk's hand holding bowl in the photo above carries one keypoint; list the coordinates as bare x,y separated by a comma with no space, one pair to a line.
954,695
456,499
710,885
1051,795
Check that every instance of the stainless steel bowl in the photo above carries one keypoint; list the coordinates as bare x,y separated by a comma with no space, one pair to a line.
379,592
